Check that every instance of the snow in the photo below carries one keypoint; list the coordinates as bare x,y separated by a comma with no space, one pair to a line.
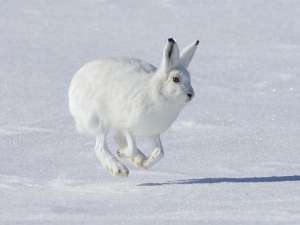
231,158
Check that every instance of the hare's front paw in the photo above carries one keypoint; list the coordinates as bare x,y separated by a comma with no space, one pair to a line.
153,158
137,159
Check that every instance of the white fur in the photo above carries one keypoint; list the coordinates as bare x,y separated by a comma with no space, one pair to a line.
132,97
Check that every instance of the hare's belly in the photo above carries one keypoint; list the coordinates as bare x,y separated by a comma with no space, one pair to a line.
154,124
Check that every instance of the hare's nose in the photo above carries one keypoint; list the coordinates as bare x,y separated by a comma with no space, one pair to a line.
190,95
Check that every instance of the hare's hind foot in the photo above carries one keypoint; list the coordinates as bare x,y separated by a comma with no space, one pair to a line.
108,160
113,166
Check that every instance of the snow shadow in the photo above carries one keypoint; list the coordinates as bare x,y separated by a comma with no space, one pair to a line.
228,180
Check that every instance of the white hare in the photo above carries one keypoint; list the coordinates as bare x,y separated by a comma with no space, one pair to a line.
134,98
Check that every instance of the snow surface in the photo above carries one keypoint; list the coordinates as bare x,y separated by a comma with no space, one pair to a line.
231,158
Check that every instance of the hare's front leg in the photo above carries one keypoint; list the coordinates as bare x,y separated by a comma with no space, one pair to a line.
107,159
157,154
128,149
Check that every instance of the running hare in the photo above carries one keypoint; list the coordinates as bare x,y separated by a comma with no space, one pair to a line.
134,98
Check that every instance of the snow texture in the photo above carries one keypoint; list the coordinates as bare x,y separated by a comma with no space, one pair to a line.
232,157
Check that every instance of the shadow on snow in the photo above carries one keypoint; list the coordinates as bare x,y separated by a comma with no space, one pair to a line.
227,180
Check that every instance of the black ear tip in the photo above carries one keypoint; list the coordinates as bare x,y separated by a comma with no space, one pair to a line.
197,42
171,40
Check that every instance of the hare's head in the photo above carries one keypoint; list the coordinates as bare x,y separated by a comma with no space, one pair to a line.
174,78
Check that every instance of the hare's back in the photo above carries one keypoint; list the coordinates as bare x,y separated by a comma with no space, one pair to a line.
107,74
107,84
114,69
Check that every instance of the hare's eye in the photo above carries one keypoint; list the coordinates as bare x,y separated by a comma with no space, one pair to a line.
176,79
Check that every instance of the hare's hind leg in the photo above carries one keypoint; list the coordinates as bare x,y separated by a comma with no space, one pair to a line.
128,149
107,159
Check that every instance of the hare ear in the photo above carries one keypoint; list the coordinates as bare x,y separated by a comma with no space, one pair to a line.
170,55
187,54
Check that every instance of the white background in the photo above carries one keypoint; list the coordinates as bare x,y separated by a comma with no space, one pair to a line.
232,157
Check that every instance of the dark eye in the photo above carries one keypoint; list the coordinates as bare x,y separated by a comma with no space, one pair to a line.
176,79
